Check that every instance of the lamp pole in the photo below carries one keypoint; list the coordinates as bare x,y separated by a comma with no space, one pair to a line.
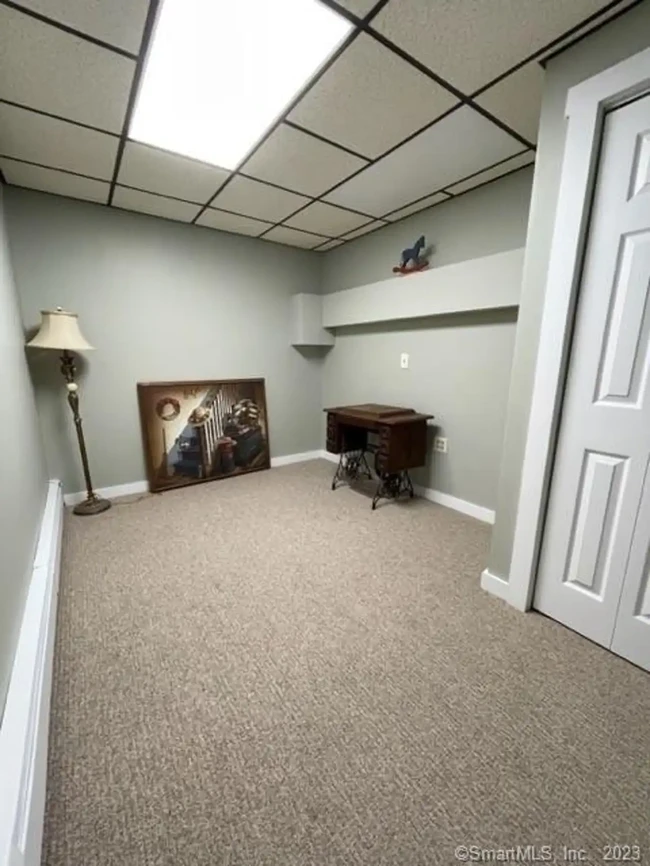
92,504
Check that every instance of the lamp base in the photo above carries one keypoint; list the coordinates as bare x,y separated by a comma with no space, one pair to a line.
92,505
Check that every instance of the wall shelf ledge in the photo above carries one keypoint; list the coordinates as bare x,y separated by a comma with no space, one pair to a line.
487,283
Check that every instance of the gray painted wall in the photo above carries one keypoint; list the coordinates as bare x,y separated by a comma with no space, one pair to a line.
22,468
613,43
459,365
459,372
160,301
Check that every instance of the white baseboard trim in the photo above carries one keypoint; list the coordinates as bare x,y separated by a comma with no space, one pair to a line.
479,512
286,459
25,726
501,588
135,487
109,492
495,585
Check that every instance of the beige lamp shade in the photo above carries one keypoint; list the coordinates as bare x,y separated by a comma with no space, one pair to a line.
60,330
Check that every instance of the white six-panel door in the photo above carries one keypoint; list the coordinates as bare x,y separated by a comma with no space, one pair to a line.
595,563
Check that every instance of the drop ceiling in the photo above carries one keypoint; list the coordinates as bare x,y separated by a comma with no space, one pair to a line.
424,101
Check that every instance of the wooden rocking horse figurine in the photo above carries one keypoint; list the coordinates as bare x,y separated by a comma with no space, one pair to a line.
411,261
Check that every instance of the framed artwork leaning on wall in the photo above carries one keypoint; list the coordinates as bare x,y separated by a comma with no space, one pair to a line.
201,431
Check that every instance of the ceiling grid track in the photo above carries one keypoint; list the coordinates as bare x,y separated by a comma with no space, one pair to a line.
58,116
152,11
237,170
310,84
450,197
462,180
365,25
544,58
58,25
323,138
372,162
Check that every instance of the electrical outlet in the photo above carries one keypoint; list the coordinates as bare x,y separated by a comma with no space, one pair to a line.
440,444
404,361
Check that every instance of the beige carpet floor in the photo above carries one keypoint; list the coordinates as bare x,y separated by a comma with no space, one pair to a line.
260,672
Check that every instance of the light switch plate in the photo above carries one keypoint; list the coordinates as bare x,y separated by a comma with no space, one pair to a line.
404,361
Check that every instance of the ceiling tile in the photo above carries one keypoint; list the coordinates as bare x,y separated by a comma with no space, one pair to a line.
517,100
144,202
329,246
58,182
168,173
230,222
246,196
284,235
299,161
370,99
369,227
424,203
55,143
326,219
462,143
357,7
468,42
119,22
45,68
491,173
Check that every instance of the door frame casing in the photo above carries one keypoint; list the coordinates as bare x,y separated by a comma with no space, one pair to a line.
586,106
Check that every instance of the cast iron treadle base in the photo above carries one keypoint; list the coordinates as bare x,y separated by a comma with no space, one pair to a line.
392,485
352,466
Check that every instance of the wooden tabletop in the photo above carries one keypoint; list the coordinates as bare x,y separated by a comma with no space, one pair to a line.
380,413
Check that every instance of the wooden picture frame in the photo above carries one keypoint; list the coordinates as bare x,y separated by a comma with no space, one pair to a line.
203,430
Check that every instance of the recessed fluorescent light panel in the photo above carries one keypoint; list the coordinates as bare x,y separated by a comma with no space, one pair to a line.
219,72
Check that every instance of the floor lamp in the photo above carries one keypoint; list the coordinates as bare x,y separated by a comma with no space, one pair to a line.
60,330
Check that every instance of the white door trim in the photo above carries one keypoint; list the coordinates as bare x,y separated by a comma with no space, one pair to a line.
586,105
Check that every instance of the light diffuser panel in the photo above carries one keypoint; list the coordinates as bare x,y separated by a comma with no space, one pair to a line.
218,72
